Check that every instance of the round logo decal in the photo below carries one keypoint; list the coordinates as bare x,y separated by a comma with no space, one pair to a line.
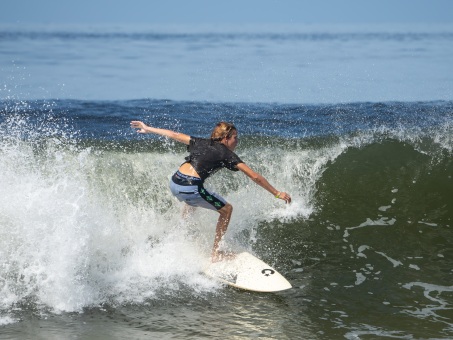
267,272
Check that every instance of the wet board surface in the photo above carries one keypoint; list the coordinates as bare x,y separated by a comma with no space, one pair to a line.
248,272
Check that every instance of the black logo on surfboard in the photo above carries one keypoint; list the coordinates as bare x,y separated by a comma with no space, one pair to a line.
268,272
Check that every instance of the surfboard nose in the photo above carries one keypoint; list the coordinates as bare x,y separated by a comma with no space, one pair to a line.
248,272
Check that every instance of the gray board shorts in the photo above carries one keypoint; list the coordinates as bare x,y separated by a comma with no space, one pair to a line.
190,190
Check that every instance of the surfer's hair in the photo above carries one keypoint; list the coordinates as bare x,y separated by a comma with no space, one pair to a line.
222,130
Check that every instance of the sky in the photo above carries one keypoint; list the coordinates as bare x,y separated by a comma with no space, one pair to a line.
227,11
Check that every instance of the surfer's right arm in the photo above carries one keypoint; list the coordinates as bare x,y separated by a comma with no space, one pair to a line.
263,182
143,128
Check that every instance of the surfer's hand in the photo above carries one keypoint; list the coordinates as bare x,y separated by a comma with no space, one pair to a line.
136,124
284,196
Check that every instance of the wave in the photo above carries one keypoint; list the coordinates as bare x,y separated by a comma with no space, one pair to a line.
86,221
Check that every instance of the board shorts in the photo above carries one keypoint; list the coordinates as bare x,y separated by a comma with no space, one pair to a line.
190,190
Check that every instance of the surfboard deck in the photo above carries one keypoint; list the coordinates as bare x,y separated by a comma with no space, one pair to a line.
247,272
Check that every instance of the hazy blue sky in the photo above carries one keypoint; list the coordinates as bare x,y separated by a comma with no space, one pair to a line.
227,11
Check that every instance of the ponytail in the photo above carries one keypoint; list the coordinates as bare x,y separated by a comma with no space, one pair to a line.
222,130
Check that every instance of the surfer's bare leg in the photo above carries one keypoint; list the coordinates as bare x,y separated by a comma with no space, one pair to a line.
222,226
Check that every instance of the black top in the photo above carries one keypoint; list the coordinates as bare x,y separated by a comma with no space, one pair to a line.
207,156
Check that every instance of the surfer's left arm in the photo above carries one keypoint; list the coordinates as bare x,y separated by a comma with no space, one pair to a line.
143,128
263,182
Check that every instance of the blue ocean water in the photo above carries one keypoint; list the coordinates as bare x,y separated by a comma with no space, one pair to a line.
284,64
354,122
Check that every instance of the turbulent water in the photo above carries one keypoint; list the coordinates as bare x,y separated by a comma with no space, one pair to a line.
356,123
88,225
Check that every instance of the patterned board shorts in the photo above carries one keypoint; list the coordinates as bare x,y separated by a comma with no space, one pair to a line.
190,190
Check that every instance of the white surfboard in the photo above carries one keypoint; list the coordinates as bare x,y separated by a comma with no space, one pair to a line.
246,271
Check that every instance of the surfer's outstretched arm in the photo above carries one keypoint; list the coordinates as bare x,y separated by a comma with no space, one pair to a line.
263,182
143,128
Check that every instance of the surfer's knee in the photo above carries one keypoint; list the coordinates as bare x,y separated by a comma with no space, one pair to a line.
226,210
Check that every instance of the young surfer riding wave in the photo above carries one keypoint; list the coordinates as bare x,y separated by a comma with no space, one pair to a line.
206,156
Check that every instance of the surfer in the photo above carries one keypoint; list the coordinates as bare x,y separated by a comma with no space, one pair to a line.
206,156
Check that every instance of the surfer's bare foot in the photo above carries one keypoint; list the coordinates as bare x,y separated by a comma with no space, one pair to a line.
222,255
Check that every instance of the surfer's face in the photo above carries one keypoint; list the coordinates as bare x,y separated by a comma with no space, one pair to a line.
231,142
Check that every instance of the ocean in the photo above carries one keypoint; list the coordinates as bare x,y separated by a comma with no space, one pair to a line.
356,123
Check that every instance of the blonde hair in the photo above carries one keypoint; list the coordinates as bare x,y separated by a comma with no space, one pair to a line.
222,130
